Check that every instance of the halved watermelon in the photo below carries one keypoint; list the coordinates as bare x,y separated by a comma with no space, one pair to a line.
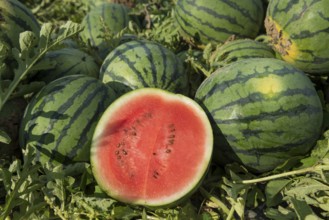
151,147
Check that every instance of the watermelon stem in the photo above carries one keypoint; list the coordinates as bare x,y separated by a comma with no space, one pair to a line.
313,169
215,200
263,38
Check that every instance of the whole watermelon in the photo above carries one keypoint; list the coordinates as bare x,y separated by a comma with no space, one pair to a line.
263,110
216,21
106,18
142,63
240,49
69,61
59,120
298,31
15,18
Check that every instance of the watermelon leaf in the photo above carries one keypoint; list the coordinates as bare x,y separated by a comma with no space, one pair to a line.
124,212
302,209
4,137
32,51
272,191
280,214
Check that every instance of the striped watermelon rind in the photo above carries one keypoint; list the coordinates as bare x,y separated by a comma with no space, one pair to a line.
15,18
59,120
110,16
69,61
216,20
240,49
263,110
299,33
142,63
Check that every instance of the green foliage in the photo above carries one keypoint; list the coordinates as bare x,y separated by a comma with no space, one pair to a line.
57,11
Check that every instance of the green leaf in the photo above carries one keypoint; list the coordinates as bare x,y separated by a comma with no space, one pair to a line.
280,214
46,32
273,190
124,212
319,152
188,212
4,137
303,210
23,89
306,186
33,49
5,177
27,42
238,205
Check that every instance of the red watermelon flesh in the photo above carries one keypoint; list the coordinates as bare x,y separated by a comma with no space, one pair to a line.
151,147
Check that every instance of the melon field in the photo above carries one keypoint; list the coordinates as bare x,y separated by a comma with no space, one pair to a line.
164,109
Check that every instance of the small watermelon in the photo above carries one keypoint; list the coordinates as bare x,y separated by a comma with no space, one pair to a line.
298,31
216,21
69,61
60,120
267,110
15,18
240,49
152,148
141,63
104,18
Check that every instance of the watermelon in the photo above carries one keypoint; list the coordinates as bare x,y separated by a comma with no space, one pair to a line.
139,154
263,112
216,21
59,120
142,63
106,18
15,18
298,31
239,49
69,61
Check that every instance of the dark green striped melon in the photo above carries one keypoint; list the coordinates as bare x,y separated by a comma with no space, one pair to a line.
15,18
240,49
267,110
106,18
69,61
299,32
216,20
140,64
60,120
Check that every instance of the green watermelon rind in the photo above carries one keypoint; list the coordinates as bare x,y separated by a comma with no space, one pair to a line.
190,187
298,32
114,16
251,126
143,63
69,61
16,18
60,119
216,21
